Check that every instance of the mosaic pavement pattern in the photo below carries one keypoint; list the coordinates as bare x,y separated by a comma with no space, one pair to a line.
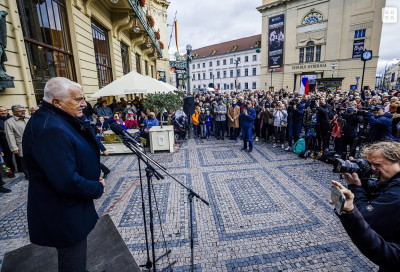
268,210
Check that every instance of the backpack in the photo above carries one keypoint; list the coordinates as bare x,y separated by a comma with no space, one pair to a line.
299,146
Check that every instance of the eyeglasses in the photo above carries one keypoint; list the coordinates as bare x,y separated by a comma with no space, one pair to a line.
20,111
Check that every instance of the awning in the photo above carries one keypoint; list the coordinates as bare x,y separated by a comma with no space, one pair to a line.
133,83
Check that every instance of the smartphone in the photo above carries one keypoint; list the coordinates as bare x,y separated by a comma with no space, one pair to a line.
338,199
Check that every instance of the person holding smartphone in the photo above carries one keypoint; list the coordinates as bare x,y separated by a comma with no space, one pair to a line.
384,253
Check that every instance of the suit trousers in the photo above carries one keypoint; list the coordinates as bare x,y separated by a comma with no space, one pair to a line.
73,259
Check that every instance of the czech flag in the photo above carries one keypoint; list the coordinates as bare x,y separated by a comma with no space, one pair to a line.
304,88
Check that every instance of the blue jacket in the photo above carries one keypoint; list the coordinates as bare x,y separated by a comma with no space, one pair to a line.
247,121
381,127
297,115
149,123
63,161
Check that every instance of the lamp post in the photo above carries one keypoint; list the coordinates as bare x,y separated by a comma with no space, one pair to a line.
237,61
188,59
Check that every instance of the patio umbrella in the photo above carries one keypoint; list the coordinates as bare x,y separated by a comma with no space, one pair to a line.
130,83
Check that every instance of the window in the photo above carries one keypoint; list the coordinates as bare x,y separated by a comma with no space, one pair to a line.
231,61
217,62
138,66
246,72
218,86
204,65
198,76
204,75
47,41
224,62
198,65
125,59
359,33
238,73
310,52
218,74
231,87
211,75
246,59
301,55
254,57
239,86
238,59
225,86
102,54
231,73
318,53
194,86
254,85
193,66
246,86
224,74
146,67
210,64
254,71
194,77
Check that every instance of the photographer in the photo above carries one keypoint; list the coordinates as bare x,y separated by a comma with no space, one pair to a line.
379,201
323,111
295,118
349,131
380,123
382,252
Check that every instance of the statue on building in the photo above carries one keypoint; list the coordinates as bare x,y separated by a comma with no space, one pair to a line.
6,81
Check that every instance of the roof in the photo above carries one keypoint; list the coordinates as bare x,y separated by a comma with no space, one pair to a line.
243,44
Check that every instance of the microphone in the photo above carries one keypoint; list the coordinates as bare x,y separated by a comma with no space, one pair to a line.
119,130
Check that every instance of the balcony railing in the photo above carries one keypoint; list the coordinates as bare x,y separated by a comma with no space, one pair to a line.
143,20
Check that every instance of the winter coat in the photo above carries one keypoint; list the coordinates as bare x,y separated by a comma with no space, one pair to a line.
247,121
297,114
195,118
323,117
202,118
220,116
279,115
381,127
233,113
63,161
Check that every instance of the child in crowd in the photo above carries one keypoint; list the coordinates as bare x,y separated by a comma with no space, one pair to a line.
203,121
208,124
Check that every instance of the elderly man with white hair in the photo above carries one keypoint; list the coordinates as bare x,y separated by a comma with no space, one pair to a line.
63,161
14,128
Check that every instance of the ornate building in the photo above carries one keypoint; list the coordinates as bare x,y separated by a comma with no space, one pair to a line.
92,42
310,41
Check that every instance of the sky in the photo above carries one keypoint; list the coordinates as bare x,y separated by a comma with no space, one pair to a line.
206,22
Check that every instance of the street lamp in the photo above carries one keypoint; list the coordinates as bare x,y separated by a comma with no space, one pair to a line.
188,59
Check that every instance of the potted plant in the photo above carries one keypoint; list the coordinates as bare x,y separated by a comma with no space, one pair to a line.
151,21
142,3
157,33
164,101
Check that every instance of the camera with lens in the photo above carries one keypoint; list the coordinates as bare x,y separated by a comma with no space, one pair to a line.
359,166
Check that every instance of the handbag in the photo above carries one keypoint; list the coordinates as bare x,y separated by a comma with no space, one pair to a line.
283,123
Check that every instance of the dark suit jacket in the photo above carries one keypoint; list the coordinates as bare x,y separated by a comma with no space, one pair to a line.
63,162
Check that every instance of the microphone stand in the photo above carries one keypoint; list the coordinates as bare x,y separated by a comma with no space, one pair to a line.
150,171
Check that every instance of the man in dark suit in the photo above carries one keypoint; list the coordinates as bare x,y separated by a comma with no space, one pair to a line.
63,162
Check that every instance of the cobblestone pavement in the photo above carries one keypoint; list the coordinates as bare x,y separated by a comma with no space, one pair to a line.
268,210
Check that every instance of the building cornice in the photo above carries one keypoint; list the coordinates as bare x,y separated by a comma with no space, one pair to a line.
271,5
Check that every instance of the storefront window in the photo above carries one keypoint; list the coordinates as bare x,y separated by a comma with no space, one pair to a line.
102,54
47,41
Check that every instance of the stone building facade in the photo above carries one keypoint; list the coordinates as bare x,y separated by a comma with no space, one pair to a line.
92,42
314,39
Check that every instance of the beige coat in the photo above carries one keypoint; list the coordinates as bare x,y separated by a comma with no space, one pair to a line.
14,129
233,113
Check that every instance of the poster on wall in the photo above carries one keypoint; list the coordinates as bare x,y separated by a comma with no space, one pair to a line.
358,48
276,38
161,76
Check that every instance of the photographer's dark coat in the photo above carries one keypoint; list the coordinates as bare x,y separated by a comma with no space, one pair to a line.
63,161
382,212
381,127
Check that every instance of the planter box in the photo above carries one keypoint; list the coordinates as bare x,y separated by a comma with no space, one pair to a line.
161,138
118,148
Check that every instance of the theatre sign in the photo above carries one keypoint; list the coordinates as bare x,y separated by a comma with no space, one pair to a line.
309,66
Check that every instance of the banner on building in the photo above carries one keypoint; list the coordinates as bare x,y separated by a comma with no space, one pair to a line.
161,76
276,38
358,48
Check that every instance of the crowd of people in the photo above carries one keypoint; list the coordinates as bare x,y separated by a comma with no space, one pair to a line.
339,122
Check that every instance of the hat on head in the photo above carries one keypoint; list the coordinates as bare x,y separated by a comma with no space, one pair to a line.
202,109
378,107
350,110
219,99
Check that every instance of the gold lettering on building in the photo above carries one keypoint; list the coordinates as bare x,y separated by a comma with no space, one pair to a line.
308,66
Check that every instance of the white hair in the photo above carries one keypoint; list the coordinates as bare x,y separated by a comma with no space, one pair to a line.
58,87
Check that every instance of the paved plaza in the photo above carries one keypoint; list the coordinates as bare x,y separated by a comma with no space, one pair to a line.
268,210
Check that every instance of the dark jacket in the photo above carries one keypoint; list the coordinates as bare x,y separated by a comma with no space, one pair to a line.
203,118
63,161
382,212
105,126
3,137
352,121
247,121
383,253
297,114
381,127
323,117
